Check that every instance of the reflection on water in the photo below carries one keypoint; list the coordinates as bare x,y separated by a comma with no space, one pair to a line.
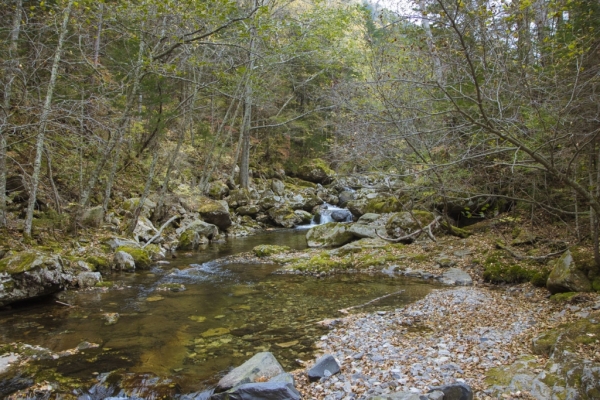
226,314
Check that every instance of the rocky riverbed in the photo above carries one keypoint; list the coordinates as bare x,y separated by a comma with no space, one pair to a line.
452,335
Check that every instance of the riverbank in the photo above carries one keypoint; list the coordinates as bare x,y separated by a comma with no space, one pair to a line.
452,335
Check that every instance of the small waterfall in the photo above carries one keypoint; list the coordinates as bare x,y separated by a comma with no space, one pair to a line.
329,213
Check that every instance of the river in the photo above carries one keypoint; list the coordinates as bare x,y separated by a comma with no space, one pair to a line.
194,318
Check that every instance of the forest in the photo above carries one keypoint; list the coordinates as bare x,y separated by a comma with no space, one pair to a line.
150,127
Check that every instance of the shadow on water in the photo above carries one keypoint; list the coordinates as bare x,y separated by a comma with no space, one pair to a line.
226,313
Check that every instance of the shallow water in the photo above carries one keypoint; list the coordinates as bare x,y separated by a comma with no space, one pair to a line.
226,313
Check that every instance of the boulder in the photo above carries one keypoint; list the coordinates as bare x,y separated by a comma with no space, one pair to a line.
368,218
403,223
278,187
268,202
265,250
262,365
363,230
316,171
345,197
116,242
216,213
251,210
88,279
399,396
341,216
306,217
310,202
196,233
92,217
284,216
324,367
455,391
331,234
217,190
144,229
239,198
31,274
140,256
260,391
565,277
357,207
147,209
123,261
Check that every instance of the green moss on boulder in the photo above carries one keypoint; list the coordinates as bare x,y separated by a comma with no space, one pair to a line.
99,263
316,171
140,256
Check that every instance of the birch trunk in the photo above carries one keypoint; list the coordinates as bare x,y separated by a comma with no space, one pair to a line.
39,147
247,118
437,64
10,76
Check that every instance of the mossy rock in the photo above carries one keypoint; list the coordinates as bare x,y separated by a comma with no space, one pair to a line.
140,256
285,216
217,190
583,257
567,277
265,250
456,231
563,297
216,213
383,205
104,284
403,223
498,268
332,234
316,171
93,217
99,263
19,262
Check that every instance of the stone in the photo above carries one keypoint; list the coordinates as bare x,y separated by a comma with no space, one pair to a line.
363,231
87,279
92,217
250,210
368,218
341,216
217,190
397,396
123,261
345,197
147,209
265,250
455,276
195,233
31,274
284,216
140,256
216,212
445,262
260,391
565,277
316,171
268,202
436,395
144,229
325,366
357,207
262,365
239,198
403,223
455,391
278,187
332,234
117,242
305,216
111,318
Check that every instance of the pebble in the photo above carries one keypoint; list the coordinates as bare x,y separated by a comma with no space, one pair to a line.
447,337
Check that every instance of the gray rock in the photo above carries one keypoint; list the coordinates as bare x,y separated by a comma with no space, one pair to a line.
368,218
397,396
285,378
260,391
262,365
329,235
455,276
278,187
341,216
123,261
455,391
251,210
117,242
325,366
565,277
345,197
436,395
147,209
363,231
88,279
31,274
445,262
304,215
239,198
217,213
217,190
284,216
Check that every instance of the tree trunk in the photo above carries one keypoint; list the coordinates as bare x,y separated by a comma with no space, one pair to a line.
10,76
245,163
39,148
437,64
98,35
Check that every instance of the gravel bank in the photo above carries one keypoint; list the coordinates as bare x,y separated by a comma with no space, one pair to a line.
450,335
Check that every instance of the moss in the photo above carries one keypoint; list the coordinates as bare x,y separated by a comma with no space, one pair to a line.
186,240
98,262
596,284
539,278
265,250
544,344
583,258
385,205
498,270
140,256
106,284
562,297
18,263
153,250
210,207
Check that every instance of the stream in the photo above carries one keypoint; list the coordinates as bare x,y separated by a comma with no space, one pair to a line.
194,318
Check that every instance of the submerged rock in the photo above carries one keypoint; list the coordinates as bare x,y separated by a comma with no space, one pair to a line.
31,274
